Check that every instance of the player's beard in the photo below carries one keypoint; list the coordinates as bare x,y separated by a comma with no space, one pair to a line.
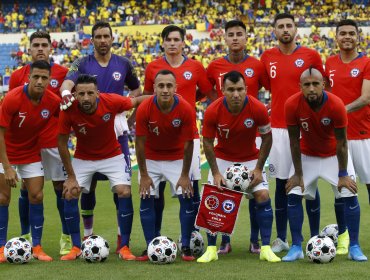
86,107
314,103
287,40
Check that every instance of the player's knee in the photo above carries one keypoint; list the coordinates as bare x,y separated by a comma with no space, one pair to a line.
261,196
23,186
58,185
4,199
123,191
36,197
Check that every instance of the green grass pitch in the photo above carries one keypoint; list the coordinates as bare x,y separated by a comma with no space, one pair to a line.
240,264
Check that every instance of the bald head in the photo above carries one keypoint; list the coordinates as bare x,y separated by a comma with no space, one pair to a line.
311,72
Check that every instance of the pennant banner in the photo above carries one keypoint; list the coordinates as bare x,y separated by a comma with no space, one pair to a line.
218,210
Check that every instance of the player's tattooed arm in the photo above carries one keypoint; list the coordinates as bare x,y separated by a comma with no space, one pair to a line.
208,146
262,157
297,178
145,181
10,174
184,180
363,100
344,181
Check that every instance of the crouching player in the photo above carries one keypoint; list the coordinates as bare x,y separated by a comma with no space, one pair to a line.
235,119
92,119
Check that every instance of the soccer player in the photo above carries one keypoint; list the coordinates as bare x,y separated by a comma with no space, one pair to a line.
113,74
349,77
25,112
164,148
40,49
190,75
255,77
235,120
284,65
92,118
317,123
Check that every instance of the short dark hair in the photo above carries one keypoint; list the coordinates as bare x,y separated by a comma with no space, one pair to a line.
282,16
101,24
86,79
346,22
40,34
165,72
234,77
40,64
233,23
172,28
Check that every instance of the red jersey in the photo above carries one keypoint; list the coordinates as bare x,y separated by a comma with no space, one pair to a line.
317,128
24,121
95,134
236,134
165,133
48,137
253,70
285,72
346,82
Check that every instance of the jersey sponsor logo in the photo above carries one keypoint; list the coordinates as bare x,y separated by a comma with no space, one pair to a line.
176,122
325,121
228,206
299,62
211,202
272,63
54,83
221,74
272,169
106,117
116,76
249,72
355,72
45,113
188,75
249,123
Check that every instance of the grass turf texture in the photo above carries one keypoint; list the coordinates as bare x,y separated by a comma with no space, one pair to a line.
240,264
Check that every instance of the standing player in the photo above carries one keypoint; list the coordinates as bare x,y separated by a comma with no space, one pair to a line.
235,120
255,77
113,73
40,49
190,75
25,112
317,122
284,65
97,151
164,148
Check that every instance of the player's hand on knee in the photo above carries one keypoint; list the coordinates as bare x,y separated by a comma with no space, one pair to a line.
71,189
144,187
347,182
11,177
256,178
186,187
294,181
67,100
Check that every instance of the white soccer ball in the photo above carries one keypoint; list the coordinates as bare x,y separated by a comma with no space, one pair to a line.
332,232
320,249
162,250
196,243
237,177
18,250
95,249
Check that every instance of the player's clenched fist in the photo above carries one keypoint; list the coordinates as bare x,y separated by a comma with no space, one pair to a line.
67,100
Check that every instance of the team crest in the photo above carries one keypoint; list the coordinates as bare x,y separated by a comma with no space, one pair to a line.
299,62
272,169
45,113
211,202
106,117
355,72
54,83
249,72
176,122
325,121
228,206
188,75
117,76
249,123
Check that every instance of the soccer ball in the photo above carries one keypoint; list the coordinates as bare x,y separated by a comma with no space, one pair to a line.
196,243
18,250
162,250
320,249
95,249
332,232
237,177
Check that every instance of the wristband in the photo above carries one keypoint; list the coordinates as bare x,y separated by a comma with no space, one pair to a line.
342,173
66,92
